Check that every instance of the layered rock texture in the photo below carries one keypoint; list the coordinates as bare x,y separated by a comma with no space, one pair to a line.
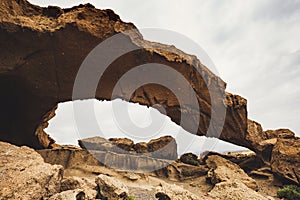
24,174
42,50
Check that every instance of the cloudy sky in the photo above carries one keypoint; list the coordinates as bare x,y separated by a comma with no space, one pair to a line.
255,45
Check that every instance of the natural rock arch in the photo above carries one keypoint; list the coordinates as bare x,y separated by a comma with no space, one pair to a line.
39,68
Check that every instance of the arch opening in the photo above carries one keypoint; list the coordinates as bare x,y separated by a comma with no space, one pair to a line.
63,129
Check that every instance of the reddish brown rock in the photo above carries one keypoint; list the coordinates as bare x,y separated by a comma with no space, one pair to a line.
123,143
164,147
141,147
43,49
279,133
285,161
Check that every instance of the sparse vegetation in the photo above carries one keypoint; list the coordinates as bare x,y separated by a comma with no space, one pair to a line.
290,192
130,198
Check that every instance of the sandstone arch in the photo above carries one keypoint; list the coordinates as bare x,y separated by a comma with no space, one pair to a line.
43,49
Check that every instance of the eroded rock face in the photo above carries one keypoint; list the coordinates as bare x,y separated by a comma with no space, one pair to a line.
43,49
25,175
223,170
161,148
235,190
83,185
77,194
167,192
112,188
285,160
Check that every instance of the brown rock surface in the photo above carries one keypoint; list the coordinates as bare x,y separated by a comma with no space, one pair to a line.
85,185
178,171
76,194
93,143
44,48
222,170
24,174
123,143
189,158
68,157
164,147
174,192
141,147
285,160
235,190
112,188
279,133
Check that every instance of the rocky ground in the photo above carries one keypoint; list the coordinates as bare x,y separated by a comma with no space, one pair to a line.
73,173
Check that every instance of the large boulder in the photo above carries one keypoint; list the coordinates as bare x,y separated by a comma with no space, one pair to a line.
77,194
42,50
68,157
222,170
112,188
189,158
174,192
25,175
87,186
164,147
285,160
235,190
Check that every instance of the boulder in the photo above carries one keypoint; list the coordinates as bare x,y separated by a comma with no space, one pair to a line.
77,194
174,192
93,143
222,170
25,175
279,133
189,158
87,186
164,147
285,161
235,190
123,143
112,188
101,144
178,171
69,157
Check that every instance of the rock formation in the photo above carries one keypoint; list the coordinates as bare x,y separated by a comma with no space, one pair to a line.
223,170
44,48
41,52
24,174
162,148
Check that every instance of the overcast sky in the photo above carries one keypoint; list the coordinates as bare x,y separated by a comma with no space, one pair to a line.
255,45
